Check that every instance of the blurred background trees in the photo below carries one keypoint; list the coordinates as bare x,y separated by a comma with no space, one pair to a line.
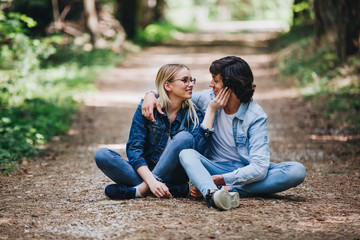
50,50
103,22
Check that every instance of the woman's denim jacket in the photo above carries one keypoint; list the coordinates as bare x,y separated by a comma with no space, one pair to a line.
251,140
147,140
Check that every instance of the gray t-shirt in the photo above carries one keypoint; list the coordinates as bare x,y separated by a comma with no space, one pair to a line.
222,146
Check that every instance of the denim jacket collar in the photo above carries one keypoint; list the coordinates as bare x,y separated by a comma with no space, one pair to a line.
240,114
179,116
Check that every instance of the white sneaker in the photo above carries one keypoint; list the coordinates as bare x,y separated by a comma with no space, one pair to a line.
223,199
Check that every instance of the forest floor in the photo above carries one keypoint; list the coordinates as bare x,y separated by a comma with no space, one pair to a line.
61,195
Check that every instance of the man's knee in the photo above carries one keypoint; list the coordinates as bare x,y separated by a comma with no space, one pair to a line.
187,156
298,173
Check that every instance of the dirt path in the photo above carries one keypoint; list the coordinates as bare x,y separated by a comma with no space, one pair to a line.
60,196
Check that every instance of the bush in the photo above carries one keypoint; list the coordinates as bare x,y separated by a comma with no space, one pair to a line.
158,32
33,123
38,79
332,87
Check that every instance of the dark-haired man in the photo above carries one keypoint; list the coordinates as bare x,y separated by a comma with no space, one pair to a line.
238,159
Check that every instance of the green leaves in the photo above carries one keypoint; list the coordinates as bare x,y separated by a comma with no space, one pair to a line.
29,125
333,87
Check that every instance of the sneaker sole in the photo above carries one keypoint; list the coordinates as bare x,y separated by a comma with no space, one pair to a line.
225,200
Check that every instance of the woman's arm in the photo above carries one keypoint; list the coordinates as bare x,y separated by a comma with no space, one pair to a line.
135,147
158,188
219,101
135,150
202,133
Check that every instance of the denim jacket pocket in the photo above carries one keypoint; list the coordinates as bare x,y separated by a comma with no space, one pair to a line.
242,144
155,133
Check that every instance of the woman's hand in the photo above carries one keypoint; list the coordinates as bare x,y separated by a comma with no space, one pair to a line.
218,102
221,99
159,189
149,104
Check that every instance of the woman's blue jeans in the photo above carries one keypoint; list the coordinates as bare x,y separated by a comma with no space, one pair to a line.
280,177
167,169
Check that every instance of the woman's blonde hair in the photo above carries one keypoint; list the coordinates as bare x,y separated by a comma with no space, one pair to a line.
166,73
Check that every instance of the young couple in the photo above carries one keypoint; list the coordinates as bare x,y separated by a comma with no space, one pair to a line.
218,140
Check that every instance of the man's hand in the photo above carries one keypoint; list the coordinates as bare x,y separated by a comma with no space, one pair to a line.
150,102
218,180
194,192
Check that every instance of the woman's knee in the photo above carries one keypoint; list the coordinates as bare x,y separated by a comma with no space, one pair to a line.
101,157
184,138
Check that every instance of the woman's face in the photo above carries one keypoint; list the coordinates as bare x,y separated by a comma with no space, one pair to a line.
181,86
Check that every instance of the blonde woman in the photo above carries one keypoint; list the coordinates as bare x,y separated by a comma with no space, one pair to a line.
153,147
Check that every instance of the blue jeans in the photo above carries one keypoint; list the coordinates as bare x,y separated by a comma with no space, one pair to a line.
167,169
280,177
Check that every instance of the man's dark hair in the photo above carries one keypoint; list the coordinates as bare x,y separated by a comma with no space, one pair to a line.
236,74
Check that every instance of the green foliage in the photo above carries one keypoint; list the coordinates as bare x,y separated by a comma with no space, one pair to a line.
17,50
334,88
25,127
261,10
303,12
14,23
38,79
186,12
157,32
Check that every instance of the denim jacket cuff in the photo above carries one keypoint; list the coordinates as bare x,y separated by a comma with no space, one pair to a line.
153,91
229,178
138,163
206,131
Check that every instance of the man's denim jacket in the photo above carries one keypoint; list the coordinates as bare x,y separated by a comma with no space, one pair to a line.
147,140
251,140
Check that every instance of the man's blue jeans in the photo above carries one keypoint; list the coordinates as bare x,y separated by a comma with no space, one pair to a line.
167,169
280,177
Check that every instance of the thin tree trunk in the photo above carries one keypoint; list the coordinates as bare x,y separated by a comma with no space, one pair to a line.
56,15
159,10
91,20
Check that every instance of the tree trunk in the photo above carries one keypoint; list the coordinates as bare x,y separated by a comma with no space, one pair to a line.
348,28
326,17
91,20
339,17
159,10
128,16
56,15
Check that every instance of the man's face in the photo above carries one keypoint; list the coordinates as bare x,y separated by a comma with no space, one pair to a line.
216,83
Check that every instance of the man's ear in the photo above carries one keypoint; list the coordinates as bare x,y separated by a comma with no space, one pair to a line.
167,86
